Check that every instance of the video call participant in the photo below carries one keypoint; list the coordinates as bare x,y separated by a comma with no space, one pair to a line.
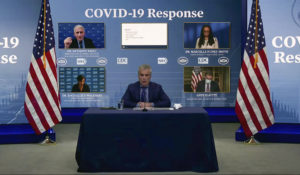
208,85
80,40
207,39
145,93
81,86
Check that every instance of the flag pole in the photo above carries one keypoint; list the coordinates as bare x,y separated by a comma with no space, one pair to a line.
256,31
252,140
47,140
44,50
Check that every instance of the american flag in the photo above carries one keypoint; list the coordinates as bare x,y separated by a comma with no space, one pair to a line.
42,103
253,104
196,78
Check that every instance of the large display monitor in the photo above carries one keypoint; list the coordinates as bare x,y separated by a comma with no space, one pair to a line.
144,35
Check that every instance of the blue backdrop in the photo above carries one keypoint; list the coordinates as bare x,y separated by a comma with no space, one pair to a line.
23,22
169,75
284,76
18,19
192,32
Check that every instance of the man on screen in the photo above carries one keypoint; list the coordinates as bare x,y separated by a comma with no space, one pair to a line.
145,93
208,85
80,40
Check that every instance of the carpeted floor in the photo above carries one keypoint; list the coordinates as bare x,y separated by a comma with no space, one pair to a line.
233,157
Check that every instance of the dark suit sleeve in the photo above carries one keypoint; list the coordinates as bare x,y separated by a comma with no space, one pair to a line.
128,100
74,88
74,44
200,86
164,100
89,43
87,88
216,88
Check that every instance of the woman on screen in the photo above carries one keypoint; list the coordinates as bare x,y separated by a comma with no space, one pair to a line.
81,86
207,39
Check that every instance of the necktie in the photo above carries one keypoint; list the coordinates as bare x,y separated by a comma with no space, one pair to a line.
80,44
143,94
207,87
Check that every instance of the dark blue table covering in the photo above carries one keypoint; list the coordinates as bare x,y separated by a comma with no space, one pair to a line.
137,141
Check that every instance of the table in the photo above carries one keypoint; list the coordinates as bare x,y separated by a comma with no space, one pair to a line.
137,141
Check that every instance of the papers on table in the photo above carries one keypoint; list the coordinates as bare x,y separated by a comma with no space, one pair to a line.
153,109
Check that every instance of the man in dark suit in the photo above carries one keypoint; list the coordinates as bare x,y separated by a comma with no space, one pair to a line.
80,40
145,93
208,85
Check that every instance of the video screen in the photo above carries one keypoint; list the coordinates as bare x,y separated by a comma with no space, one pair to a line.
199,79
81,35
82,79
144,35
207,35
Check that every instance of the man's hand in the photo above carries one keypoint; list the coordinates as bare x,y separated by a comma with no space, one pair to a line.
67,42
145,104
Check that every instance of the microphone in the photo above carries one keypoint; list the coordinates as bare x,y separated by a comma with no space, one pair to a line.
145,109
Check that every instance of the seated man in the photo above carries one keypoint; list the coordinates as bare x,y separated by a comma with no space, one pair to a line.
145,93
80,86
208,85
80,40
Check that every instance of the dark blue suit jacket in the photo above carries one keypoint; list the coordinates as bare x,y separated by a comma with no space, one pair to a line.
87,42
157,96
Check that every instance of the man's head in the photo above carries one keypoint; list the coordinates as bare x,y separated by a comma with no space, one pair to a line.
79,32
144,74
81,80
208,75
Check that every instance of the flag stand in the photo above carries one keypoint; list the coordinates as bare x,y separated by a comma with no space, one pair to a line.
252,141
47,140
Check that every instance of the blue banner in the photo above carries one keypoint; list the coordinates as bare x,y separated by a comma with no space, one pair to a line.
281,20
